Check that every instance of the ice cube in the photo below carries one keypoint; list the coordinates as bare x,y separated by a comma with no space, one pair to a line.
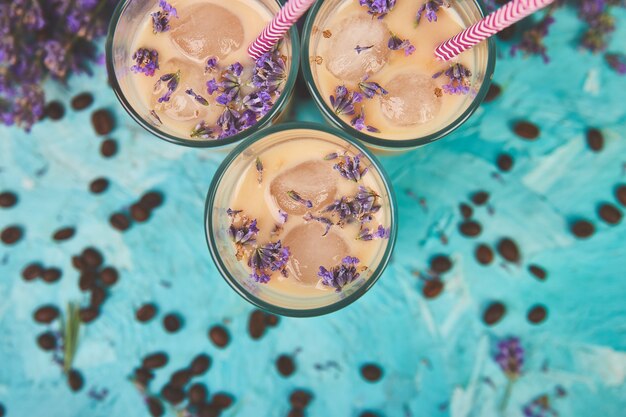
309,250
182,106
314,181
342,58
411,100
205,30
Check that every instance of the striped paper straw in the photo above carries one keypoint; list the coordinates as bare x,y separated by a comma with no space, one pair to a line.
280,24
505,16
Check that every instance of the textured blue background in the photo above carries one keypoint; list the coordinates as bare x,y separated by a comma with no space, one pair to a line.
435,353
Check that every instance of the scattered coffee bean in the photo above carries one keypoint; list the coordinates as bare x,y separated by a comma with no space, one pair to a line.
78,262
82,101
46,314
222,400
537,314
483,254
371,372
47,341
99,185
595,139
470,228
294,412
119,221
75,380
197,393
172,322
155,360
32,271
609,213
200,364
139,213
620,194
300,399
480,198
98,295
440,264
432,288
494,313
507,248
11,235
146,312
109,276
108,148
87,280
92,257
54,110
151,200
271,319
538,272
155,407
64,233
466,210
256,324
8,199
285,365
504,162
143,376
88,314
493,93
172,394
219,336
102,122
208,410
51,275
526,130
582,229
181,378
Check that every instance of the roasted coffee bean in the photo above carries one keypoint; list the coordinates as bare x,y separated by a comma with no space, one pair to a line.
440,264
181,378
151,200
108,148
64,233
480,198
271,319
371,372
47,341
139,213
504,162
155,360
87,280
538,272
300,399
75,380
537,314
143,376
92,257
8,199
432,288
200,364
595,139
146,312
208,410
51,275
526,130
102,121
285,365
219,336
109,276
32,271
609,213
483,254
46,314
155,407
98,295
172,394
294,412
222,400
256,324
78,262
470,228
119,221
172,322
620,194
466,210
99,185
82,101
507,248
493,93
198,394
54,110
11,235
88,314
582,229
494,313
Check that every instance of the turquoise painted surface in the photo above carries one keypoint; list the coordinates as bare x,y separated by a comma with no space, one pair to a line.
435,353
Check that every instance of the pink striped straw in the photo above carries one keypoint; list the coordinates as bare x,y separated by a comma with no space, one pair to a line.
505,16
280,24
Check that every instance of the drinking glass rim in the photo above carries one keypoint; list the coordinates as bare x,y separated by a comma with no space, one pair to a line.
391,143
234,283
216,143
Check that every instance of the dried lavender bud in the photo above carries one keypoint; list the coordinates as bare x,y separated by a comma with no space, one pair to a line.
146,61
395,44
343,101
370,88
259,169
341,275
161,18
360,49
459,79
510,356
197,97
350,168
431,8
297,198
202,131
358,122
242,231
378,8
266,259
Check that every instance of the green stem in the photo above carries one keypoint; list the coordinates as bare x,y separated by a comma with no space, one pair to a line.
71,329
507,395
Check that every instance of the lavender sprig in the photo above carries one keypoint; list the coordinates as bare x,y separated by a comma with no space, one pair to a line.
532,42
161,18
430,8
378,8
172,79
211,64
510,356
202,131
259,102
323,220
259,170
617,62
350,168
146,61
395,44
343,101
297,198
380,233
539,407
197,97
370,88
267,259
459,79
360,49
270,71
358,123
341,275
360,208
242,231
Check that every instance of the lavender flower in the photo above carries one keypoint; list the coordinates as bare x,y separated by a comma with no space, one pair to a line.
323,220
395,44
267,259
230,84
212,86
202,131
56,58
379,8
350,168
172,79
370,88
360,49
297,198
343,101
596,37
617,62
380,233
539,407
459,82
341,275
431,7
211,64
229,123
242,231
197,97
259,169
270,71
161,18
510,357
532,39
146,61
259,102
331,156
358,123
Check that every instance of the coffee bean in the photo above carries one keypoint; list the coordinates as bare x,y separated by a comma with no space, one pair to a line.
98,295
507,248
480,198
46,314
155,407
139,213
222,400
208,410
538,272
537,314
256,324
64,233
146,312
51,275
582,229
47,341
32,271
504,162
493,93
8,199
609,213
172,394
143,376
108,148
82,101
109,276
466,210
88,314
11,234
371,372
200,364
483,254
155,360
271,319
494,313
78,262
198,393
54,110
595,139
440,264
507,33
299,399
172,322
102,122
294,412
470,228
92,257
119,221
620,194
99,185
526,130
432,288
87,280
285,365
181,378
75,380
151,200
219,336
